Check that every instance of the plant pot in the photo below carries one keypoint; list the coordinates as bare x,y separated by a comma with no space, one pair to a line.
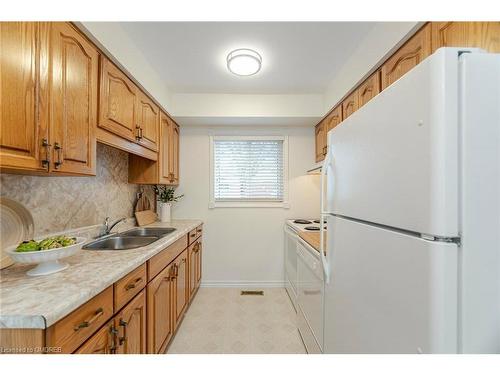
164,211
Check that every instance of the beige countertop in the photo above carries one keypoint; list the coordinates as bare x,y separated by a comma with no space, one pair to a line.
312,238
39,302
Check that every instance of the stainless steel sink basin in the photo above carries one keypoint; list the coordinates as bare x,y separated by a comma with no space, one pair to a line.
120,243
147,232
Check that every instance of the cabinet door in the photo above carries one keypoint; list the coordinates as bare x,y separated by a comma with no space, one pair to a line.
350,104
131,325
174,153
23,76
408,56
102,342
193,268
160,323
198,262
485,35
334,118
118,100
320,141
73,98
164,150
369,89
181,286
147,122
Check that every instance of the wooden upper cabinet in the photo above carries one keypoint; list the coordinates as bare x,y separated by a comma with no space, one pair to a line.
368,89
160,322
118,97
350,104
485,35
174,153
407,57
334,118
320,140
73,104
131,326
23,79
164,175
166,169
148,118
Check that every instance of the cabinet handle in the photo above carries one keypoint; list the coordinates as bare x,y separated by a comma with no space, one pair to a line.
46,161
139,133
60,160
133,284
122,339
113,331
198,230
98,313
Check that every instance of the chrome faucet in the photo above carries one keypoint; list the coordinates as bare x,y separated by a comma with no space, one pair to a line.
108,228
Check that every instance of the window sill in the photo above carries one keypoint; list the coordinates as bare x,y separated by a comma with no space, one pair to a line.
243,204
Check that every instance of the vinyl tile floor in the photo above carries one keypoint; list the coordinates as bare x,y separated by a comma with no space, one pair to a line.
220,320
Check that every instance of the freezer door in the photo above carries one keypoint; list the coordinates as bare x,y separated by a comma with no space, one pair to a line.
395,160
389,292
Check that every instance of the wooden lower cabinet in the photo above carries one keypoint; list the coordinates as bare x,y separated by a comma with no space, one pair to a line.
181,286
194,254
103,342
160,322
130,324
145,324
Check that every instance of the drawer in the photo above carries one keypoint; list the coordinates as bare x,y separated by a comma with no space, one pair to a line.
195,233
162,259
131,284
71,331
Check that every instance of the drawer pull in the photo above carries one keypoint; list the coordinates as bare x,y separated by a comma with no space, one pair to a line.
133,284
198,230
194,234
98,313
122,339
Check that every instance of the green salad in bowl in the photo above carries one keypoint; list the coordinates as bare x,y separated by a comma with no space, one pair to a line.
45,244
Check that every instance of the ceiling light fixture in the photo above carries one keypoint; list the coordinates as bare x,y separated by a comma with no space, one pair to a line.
244,62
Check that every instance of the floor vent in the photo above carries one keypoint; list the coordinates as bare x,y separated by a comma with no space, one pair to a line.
252,292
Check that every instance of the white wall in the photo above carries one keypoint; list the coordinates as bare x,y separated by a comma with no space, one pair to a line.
383,39
112,38
244,246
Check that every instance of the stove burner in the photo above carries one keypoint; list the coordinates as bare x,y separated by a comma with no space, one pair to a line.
317,221
311,228
302,221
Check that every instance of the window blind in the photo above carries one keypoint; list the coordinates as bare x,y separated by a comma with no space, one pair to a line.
248,170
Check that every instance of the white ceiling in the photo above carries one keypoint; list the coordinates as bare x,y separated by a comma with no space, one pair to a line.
298,57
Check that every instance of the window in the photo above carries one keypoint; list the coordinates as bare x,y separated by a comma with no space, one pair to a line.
248,171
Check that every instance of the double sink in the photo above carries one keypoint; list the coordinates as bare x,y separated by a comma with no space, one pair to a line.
130,239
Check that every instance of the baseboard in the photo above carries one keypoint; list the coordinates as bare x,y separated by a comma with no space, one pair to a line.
242,284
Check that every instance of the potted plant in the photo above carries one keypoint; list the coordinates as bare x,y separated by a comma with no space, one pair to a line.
165,196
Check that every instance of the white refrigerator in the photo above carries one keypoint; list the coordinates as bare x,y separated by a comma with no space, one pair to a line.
411,195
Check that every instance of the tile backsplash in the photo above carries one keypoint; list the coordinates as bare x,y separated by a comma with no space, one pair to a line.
63,203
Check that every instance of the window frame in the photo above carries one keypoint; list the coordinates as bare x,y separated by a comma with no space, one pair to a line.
245,203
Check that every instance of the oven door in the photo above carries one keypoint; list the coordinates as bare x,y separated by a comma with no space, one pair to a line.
310,292
291,239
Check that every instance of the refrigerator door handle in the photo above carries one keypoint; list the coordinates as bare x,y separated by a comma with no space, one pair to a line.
324,261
